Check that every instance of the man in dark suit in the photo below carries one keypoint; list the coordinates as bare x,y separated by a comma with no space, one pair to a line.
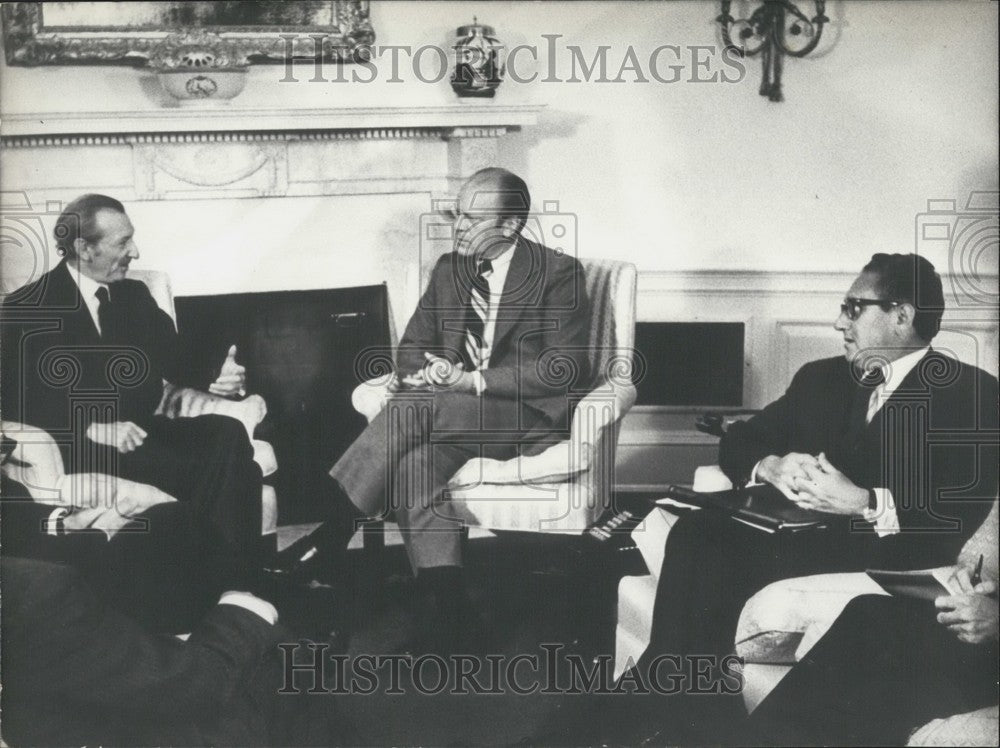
895,441
86,356
77,672
890,664
476,363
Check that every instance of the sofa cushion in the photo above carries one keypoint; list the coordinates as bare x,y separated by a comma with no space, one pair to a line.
969,728
535,507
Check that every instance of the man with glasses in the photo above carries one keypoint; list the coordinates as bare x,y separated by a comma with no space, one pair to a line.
896,441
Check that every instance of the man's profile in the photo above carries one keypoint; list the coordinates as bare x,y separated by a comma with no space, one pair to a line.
494,309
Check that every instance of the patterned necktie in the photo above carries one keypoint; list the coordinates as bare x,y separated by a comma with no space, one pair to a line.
476,351
104,311
861,405
876,380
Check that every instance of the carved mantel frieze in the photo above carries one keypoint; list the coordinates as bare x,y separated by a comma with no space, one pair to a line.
223,154
252,136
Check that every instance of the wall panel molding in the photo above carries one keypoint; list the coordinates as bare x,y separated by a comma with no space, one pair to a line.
789,320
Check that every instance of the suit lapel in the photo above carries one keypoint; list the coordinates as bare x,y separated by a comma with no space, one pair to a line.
453,299
521,290
64,293
914,387
912,392
843,390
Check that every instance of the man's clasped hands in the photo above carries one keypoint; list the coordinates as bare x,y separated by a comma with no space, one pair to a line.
436,373
813,483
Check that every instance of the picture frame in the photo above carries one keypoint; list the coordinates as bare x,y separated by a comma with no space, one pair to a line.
140,33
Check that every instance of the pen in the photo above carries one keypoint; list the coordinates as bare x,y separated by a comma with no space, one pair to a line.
977,575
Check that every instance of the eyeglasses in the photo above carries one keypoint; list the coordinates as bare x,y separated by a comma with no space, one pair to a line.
854,307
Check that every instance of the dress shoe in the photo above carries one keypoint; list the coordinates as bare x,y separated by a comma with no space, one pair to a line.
312,557
446,626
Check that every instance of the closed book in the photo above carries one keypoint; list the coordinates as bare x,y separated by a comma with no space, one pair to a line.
762,507
923,584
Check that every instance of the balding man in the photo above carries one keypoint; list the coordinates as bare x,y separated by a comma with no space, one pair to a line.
494,310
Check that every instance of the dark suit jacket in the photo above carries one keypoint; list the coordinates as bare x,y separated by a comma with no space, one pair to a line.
60,375
539,350
933,444
75,672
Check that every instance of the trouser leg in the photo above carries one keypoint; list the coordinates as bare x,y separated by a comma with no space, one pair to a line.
208,463
165,569
432,534
884,668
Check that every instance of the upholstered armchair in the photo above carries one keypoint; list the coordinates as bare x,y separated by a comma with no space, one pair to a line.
780,623
566,487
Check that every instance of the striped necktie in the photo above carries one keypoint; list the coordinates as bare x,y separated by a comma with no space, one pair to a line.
476,350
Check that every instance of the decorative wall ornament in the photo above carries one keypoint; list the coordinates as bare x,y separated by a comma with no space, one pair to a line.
767,33
194,48
479,59
198,66
211,166
211,169
241,33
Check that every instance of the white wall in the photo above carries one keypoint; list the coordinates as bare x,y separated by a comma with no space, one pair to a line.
899,105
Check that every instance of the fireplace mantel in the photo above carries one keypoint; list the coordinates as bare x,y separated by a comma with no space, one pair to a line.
458,118
351,185
224,153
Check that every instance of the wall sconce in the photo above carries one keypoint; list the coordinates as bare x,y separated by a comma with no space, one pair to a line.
767,32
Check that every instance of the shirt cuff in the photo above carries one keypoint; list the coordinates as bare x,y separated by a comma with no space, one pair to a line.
480,381
883,516
254,604
754,480
54,525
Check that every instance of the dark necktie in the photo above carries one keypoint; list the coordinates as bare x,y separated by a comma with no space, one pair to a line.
475,350
856,421
104,311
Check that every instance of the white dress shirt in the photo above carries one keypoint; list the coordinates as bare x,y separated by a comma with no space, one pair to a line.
894,373
884,516
88,292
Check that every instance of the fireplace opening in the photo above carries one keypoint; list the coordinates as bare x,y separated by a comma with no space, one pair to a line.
690,364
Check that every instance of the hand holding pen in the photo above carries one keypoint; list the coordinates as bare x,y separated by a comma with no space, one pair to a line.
977,575
971,613
962,582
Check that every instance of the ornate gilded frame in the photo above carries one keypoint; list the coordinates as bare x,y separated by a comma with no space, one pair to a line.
27,40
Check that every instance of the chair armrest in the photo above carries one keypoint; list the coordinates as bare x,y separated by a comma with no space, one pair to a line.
781,622
601,408
185,402
969,728
370,397
650,537
35,462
